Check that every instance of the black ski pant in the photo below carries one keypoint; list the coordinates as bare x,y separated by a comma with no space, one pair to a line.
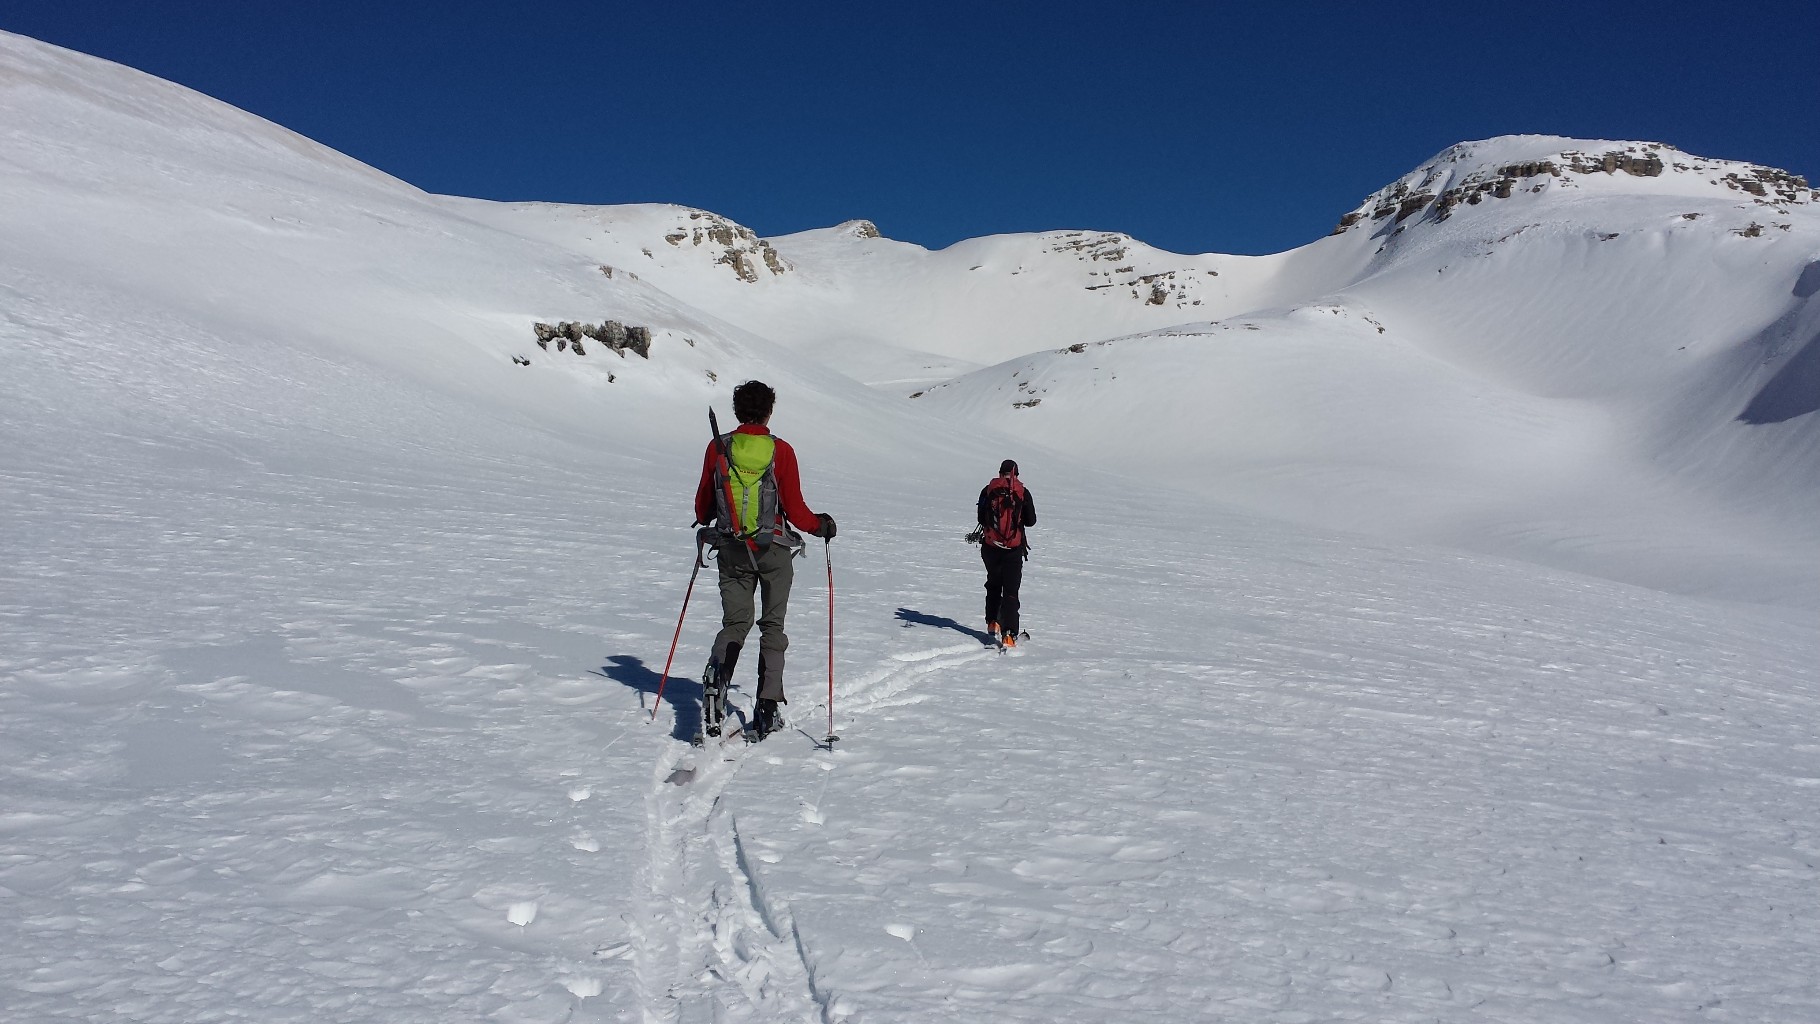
1004,574
738,583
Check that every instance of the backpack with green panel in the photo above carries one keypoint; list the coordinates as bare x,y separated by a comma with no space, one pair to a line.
745,492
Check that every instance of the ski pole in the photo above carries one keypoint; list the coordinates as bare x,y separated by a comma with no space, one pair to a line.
827,552
679,624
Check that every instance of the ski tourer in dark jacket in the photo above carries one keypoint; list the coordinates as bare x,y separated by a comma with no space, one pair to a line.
1005,510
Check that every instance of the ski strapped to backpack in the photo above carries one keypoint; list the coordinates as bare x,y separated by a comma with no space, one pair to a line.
1004,514
745,491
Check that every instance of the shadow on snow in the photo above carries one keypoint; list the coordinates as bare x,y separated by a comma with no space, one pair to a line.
911,617
680,692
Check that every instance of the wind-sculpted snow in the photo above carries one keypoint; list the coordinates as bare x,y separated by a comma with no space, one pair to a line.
330,635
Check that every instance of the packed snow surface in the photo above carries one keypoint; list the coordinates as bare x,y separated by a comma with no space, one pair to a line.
1419,631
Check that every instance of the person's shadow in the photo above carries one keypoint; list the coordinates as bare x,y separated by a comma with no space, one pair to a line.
680,692
911,617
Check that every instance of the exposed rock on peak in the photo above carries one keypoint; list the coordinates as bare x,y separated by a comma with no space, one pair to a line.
1474,172
1132,268
1109,246
740,247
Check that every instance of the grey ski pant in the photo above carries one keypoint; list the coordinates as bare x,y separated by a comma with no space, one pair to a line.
738,584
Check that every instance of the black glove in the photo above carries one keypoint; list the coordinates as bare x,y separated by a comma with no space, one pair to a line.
826,530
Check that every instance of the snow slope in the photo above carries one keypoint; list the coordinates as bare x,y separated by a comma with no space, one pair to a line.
329,637
1593,355
1602,371
893,313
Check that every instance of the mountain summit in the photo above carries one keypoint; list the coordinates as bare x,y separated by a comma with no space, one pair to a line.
1472,173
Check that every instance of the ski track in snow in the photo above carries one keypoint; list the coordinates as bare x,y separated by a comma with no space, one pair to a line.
707,945
709,942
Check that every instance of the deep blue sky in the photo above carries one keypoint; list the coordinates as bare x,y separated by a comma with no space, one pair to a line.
1194,126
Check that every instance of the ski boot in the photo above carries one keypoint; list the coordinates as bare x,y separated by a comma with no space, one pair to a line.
765,720
715,680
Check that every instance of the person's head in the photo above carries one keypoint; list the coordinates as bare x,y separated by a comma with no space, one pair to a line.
752,401
1007,468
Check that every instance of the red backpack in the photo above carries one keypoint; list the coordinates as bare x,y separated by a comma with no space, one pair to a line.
1005,513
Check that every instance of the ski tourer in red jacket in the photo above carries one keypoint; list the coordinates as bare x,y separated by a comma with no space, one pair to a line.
751,494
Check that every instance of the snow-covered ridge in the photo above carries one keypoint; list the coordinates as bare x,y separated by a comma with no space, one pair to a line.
1471,173
1620,339
40,84
1633,313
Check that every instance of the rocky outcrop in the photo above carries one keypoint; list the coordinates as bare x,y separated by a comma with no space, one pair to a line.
1347,221
1647,164
568,336
740,248
1154,289
1770,181
1095,246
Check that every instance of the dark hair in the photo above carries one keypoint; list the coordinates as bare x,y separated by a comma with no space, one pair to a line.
1007,466
752,401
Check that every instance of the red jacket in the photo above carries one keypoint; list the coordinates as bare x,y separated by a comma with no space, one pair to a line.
789,482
